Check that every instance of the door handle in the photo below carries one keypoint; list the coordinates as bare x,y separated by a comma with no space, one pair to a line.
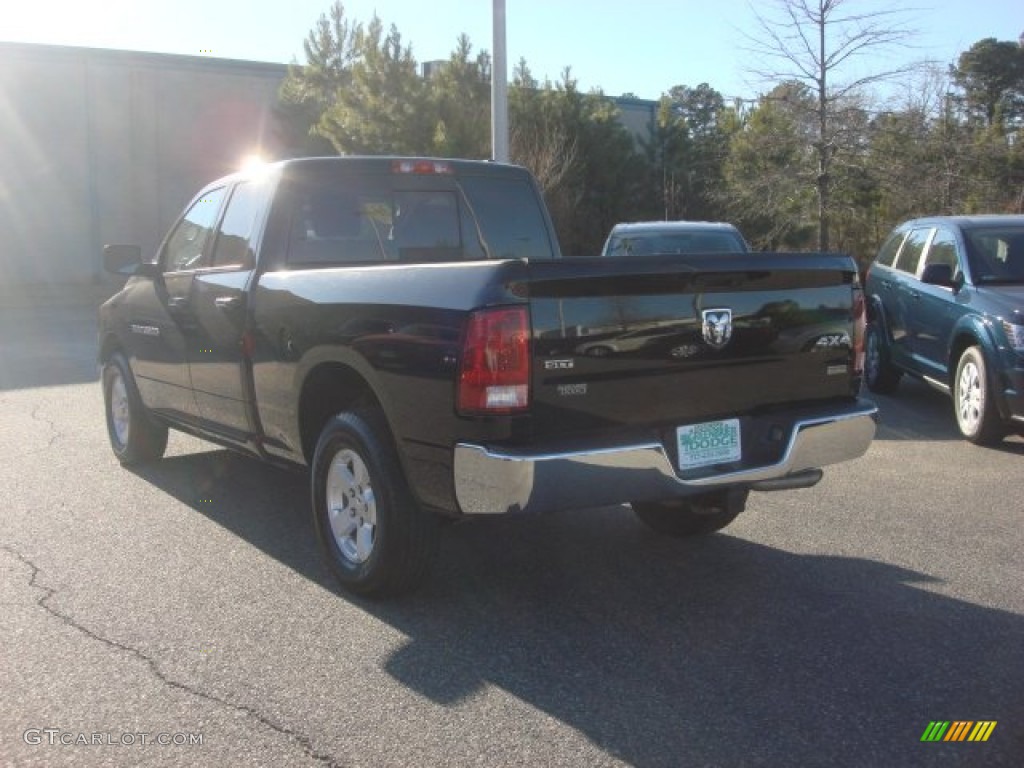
227,302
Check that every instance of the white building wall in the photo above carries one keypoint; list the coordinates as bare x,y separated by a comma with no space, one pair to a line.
102,146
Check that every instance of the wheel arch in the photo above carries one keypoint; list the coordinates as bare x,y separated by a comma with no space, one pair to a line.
330,388
970,332
876,315
109,344
973,331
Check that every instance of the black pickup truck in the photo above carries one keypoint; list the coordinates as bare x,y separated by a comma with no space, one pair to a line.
408,330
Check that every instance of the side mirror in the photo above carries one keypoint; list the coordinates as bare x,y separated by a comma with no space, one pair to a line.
126,260
940,274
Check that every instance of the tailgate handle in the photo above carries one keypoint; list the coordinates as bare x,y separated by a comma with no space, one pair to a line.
227,302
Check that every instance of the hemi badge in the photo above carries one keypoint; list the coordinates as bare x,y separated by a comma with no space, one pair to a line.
558,365
145,330
836,370
572,390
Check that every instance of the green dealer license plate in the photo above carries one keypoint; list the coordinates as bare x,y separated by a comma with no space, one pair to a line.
715,442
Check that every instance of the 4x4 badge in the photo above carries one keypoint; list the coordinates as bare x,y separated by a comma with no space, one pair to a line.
717,327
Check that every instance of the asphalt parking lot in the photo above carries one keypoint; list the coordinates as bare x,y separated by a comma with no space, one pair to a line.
825,627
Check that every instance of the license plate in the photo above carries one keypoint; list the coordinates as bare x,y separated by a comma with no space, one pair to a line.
714,442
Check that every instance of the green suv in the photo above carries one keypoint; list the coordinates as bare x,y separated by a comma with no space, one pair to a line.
946,304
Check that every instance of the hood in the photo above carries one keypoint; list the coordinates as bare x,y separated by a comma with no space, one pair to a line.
1005,301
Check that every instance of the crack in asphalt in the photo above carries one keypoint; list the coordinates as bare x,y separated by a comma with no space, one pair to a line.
299,739
55,433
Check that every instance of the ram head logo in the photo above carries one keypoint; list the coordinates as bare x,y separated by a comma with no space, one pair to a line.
717,327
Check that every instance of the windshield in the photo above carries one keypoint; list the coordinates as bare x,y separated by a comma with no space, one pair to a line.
996,255
642,244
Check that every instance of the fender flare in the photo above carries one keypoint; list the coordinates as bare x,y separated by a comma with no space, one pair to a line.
877,317
344,357
978,332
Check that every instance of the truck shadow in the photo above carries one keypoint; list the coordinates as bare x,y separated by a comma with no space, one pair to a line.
720,651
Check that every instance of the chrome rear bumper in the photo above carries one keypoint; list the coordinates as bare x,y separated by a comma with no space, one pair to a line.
497,481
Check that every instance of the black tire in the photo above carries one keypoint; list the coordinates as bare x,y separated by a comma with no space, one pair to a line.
879,374
134,436
390,553
973,403
694,516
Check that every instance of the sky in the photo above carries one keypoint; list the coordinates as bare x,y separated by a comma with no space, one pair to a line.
642,47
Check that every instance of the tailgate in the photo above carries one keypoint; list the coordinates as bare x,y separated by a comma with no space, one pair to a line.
669,341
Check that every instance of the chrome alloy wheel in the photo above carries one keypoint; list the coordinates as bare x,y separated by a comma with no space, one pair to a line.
970,397
120,409
351,506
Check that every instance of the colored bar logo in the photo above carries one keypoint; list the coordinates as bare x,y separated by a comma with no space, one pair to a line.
958,730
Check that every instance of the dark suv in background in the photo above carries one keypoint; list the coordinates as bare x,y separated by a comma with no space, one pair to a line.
946,304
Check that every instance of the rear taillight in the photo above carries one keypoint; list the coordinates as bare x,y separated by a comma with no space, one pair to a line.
495,373
859,329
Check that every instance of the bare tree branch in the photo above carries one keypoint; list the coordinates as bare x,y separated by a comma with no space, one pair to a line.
812,42
546,150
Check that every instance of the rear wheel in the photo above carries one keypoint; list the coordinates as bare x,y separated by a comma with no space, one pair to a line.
376,539
976,413
134,436
692,516
879,373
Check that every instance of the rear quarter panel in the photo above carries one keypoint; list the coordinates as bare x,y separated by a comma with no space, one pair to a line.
398,326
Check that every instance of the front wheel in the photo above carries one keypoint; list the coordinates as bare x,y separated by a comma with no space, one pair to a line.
134,436
375,538
976,413
694,516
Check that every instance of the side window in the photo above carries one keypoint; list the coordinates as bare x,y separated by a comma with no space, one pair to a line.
910,254
188,241
234,240
942,251
887,255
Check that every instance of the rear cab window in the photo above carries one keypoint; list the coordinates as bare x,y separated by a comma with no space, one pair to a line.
509,216
367,218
